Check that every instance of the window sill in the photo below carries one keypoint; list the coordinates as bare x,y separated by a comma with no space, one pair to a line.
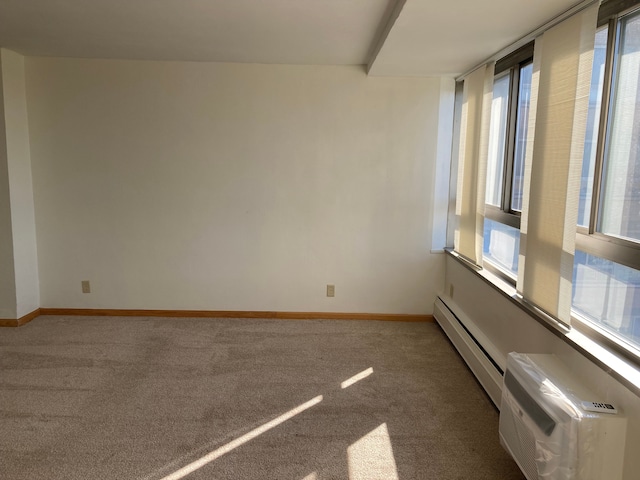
622,369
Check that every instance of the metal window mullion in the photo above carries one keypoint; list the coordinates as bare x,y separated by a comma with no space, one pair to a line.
616,8
511,134
616,250
498,215
603,126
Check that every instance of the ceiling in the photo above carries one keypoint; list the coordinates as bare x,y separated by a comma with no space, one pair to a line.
451,37
396,37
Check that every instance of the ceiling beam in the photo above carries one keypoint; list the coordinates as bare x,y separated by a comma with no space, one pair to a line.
384,33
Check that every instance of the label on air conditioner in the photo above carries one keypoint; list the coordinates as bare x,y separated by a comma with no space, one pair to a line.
599,407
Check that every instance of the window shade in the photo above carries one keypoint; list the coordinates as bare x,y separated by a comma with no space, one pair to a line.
562,71
472,166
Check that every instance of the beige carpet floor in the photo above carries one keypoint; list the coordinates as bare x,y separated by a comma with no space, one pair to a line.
157,398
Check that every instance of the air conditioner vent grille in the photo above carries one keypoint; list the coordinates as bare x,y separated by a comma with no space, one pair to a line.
516,435
546,431
535,411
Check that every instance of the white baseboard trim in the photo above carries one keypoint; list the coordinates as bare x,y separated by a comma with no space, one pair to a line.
476,353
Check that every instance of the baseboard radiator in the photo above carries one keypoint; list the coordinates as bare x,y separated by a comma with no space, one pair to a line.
477,351
544,423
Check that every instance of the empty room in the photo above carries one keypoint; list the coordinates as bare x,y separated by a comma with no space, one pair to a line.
320,239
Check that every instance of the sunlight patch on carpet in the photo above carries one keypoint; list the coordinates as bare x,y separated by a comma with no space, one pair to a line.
218,452
356,378
372,456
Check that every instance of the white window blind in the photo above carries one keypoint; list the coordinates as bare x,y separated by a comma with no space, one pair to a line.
563,58
474,145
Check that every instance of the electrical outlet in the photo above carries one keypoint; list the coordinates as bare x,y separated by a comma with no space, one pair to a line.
331,290
451,290
86,286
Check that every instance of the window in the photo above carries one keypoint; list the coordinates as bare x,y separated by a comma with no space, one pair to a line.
582,156
606,275
501,245
607,294
508,135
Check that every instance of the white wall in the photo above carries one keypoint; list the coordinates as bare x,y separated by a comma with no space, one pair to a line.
7,276
510,329
231,186
20,184
442,171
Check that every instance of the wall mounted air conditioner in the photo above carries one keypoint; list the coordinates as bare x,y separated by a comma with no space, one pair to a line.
548,430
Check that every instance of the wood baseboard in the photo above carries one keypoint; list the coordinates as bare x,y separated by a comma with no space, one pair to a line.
237,314
18,322
107,312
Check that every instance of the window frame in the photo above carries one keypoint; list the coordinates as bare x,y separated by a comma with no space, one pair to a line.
586,335
589,239
510,65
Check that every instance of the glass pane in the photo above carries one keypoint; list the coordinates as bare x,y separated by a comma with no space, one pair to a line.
522,127
497,140
621,186
593,119
608,294
501,246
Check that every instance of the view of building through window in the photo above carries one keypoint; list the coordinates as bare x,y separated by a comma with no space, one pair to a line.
497,140
605,292
621,182
522,130
501,246
608,294
593,119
